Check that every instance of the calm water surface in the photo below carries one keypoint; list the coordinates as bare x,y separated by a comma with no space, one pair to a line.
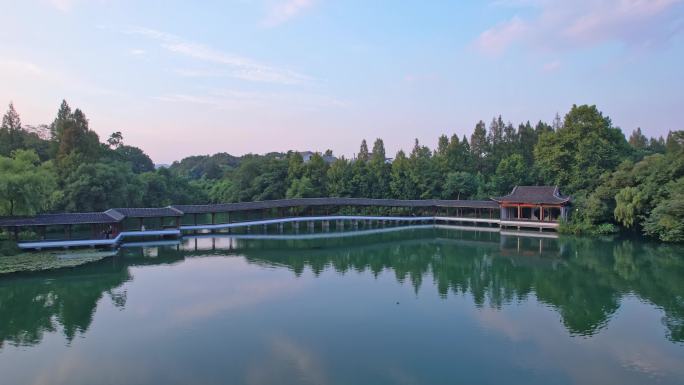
420,306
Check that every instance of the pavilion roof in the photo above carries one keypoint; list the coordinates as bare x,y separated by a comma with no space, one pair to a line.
535,195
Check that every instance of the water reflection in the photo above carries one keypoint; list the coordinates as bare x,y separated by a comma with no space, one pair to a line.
583,280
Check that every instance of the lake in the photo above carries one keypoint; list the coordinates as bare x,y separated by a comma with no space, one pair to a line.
394,306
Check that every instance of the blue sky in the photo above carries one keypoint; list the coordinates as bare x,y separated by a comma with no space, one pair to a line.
180,78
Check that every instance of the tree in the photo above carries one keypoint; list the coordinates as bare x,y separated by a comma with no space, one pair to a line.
496,141
524,145
100,186
339,179
479,147
584,148
315,170
363,152
72,135
26,186
638,140
135,157
511,172
400,181
666,221
10,132
163,188
115,140
459,185
295,167
557,123
629,203
301,188
379,171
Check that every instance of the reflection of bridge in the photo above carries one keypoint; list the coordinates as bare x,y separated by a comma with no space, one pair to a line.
115,226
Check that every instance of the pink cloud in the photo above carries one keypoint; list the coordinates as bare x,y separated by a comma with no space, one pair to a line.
495,40
581,23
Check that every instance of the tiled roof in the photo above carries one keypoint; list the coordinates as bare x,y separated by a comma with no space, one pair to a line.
59,219
149,212
119,214
534,194
308,202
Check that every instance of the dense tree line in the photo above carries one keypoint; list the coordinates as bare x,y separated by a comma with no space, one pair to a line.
635,184
71,170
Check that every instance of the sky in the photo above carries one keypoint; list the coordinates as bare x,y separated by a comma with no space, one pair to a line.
181,78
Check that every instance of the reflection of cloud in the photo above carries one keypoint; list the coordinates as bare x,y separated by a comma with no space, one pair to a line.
66,367
288,359
400,376
243,294
496,320
607,357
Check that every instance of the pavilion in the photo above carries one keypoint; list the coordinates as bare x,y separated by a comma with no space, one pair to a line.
534,203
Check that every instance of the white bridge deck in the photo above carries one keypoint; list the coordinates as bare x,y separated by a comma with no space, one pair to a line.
123,236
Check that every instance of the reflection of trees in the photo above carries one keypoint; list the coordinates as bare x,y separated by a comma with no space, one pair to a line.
36,303
39,303
583,279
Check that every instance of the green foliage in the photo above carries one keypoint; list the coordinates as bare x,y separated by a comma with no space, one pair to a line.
38,261
26,186
612,181
511,172
400,181
205,166
460,185
100,186
578,154
301,188
666,221
339,179
629,203
135,157
73,137
163,188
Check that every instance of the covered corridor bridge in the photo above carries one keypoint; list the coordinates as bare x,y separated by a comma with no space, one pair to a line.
111,227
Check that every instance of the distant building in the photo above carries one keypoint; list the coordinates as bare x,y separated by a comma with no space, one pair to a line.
306,156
